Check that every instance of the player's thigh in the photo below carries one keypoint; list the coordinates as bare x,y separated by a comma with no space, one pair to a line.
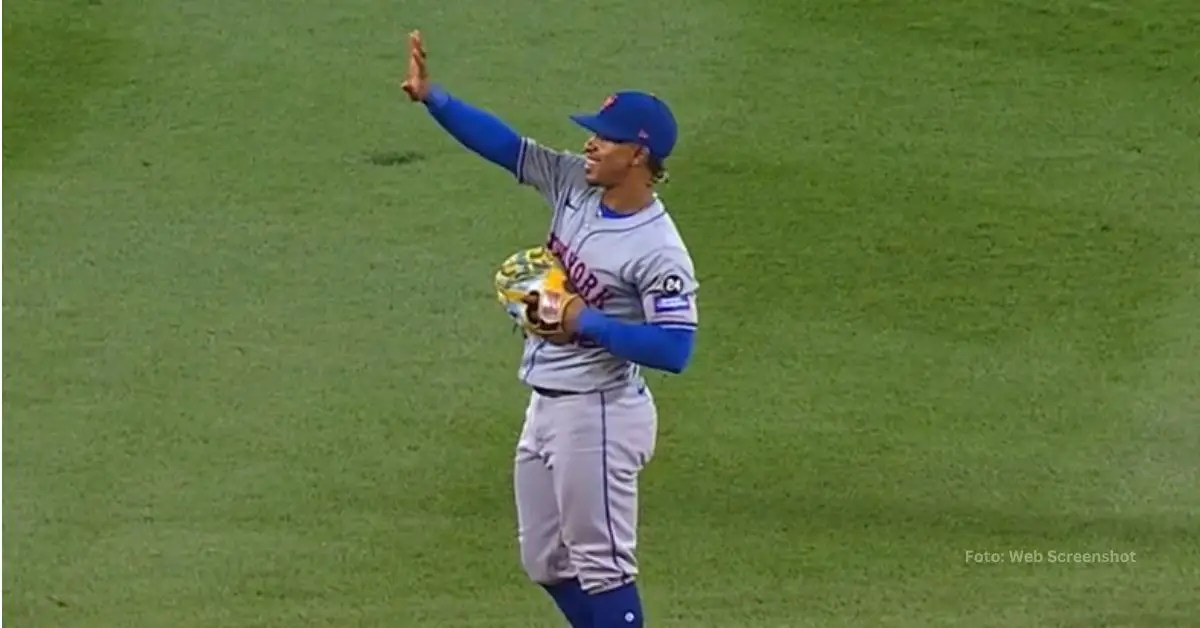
543,555
532,479
533,492
597,451
631,427
593,438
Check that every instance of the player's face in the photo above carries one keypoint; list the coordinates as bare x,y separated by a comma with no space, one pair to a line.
607,161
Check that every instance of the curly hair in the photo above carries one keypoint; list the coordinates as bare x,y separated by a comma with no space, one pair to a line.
658,172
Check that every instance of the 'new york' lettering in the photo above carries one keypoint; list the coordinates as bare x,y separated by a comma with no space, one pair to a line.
583,281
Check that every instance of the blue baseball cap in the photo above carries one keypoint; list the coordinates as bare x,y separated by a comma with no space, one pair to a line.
634,117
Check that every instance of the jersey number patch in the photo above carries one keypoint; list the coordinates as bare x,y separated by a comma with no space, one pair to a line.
672,284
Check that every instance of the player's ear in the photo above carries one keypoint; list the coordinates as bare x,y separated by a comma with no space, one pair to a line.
639,155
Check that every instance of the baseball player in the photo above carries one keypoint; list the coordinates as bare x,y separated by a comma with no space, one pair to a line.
591,423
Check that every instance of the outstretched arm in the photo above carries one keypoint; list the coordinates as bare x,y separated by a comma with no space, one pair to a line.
550,172
474,128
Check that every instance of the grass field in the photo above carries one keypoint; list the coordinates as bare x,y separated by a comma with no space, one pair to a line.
950,258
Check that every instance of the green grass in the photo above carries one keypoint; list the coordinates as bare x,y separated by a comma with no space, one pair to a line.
950,256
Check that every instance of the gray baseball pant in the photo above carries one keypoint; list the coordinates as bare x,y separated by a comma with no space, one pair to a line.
575,483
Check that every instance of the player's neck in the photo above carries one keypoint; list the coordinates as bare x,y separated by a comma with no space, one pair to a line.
628,199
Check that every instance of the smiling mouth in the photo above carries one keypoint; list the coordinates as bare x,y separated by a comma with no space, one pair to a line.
589,163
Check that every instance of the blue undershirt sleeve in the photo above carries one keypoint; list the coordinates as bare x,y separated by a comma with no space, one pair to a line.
476,129
652,346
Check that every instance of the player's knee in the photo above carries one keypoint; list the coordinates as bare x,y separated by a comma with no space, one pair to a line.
540,566
540,572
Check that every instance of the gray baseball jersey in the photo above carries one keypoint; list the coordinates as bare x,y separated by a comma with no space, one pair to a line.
635,268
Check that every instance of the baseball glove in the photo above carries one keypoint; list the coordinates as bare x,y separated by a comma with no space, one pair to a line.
532,286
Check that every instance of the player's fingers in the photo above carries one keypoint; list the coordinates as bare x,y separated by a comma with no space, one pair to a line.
416,62
415,44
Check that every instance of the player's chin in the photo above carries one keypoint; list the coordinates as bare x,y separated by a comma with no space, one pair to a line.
596,176
591,171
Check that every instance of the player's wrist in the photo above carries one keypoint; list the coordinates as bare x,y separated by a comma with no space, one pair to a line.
589,322
434,96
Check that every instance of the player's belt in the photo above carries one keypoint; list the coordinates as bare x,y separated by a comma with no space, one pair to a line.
550,392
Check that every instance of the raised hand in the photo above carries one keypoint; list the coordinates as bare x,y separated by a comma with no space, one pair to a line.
416,83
